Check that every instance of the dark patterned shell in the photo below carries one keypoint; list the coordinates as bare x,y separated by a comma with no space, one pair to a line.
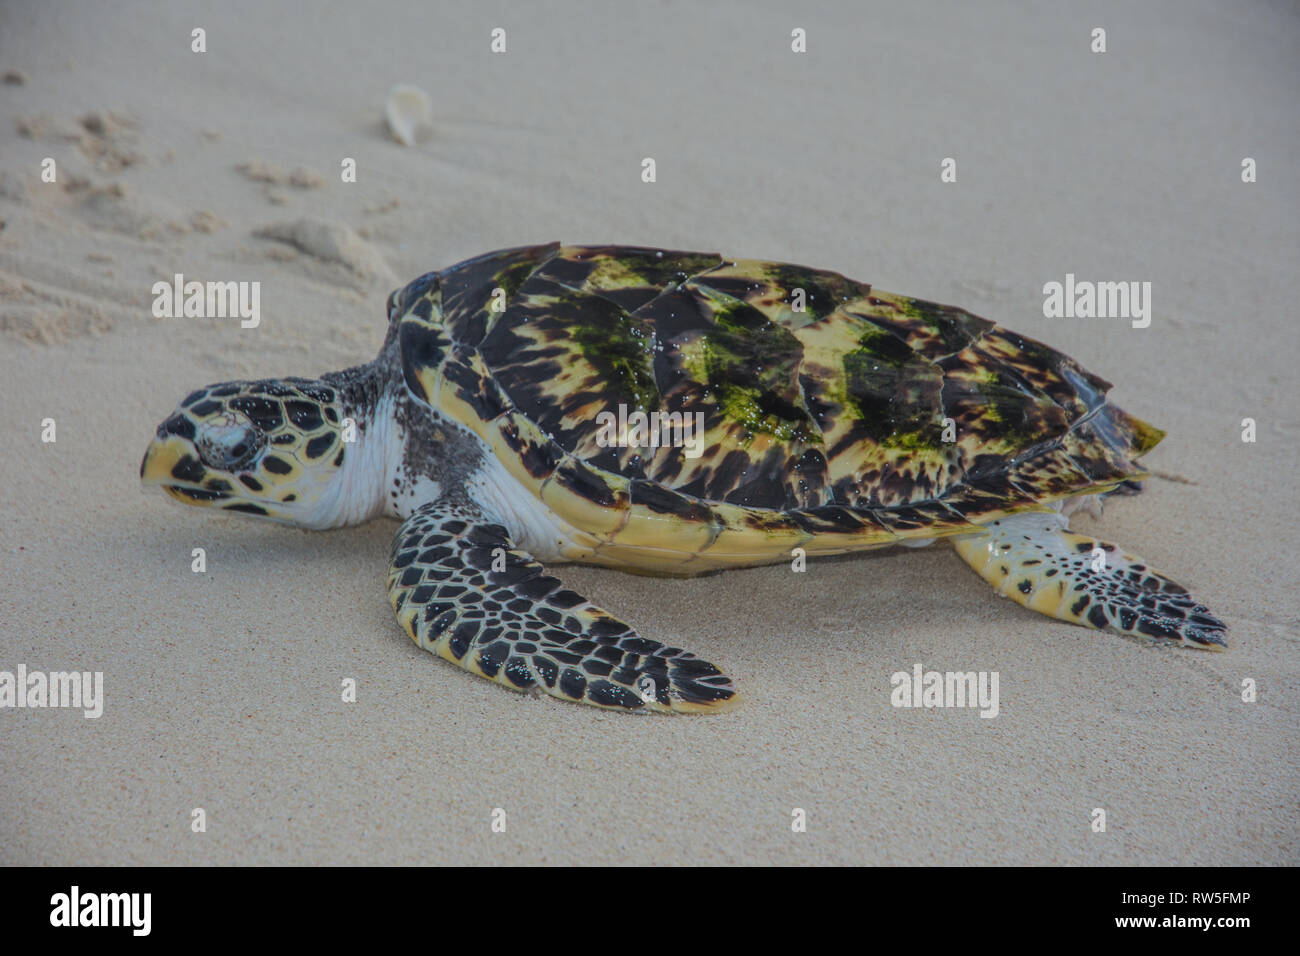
820,395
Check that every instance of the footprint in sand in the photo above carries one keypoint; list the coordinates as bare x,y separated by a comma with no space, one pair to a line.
332,243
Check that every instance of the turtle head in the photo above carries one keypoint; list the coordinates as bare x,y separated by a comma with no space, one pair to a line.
272,449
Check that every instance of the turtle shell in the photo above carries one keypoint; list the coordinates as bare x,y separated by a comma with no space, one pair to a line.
832,412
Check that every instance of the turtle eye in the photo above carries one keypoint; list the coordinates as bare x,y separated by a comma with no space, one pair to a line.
229,447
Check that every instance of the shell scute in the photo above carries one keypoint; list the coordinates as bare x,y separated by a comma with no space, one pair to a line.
470,301
562,377
628,276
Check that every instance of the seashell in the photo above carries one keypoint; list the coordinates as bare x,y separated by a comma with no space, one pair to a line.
408,113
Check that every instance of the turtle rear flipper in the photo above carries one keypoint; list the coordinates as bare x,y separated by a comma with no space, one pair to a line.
463,591
1037,562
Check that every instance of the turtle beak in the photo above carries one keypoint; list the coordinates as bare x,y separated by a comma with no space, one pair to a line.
159,460
168,461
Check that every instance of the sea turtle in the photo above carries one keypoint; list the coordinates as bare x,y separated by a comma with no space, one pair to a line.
505,422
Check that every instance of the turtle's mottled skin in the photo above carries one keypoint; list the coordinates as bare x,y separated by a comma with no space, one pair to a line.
836,418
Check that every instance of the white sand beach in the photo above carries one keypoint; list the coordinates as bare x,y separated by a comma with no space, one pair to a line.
222,689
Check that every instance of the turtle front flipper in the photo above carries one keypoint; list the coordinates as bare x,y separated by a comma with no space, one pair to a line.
1035,560
463,591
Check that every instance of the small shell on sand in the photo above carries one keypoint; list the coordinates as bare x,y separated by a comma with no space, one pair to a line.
408,114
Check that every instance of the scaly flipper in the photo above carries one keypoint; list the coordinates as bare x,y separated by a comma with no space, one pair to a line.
1035,560
521,628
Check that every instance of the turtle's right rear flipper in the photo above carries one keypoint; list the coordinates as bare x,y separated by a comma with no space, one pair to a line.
462,591
1036,561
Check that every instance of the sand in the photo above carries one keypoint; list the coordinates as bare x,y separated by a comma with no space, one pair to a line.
222,689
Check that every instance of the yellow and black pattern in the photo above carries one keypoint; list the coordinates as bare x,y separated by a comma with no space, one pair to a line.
825,403
254,447
835,418
462,591
1034,560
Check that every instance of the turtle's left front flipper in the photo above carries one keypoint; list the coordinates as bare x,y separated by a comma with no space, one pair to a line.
463,591
1035,560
